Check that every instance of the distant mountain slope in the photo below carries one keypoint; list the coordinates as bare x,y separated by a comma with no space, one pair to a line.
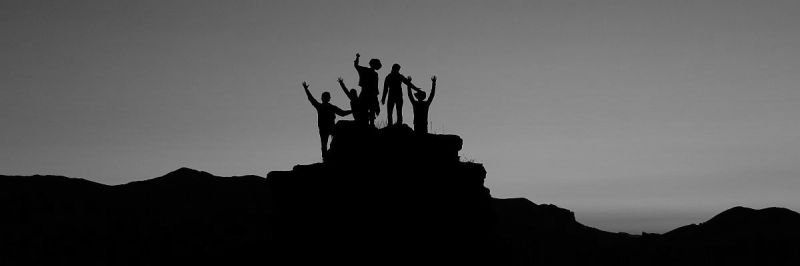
739,222
183,217
738,236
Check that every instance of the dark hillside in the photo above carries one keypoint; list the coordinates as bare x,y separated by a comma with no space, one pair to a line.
382,196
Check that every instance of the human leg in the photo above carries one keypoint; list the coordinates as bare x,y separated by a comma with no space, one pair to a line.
399,105
323,138
389,109
375,110
370,117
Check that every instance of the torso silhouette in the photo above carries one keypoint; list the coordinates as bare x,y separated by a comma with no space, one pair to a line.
326,116
355,106
368,80
394,81
358,111
421,115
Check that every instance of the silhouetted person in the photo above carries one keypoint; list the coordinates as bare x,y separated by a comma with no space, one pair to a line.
393,88
359,114
421,107
368,80
326,116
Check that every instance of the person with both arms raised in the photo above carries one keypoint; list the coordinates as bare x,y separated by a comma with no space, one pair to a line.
421,107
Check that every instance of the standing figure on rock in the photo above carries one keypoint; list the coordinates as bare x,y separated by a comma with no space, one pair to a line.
368,80
392,87
326,116
359,114
421,107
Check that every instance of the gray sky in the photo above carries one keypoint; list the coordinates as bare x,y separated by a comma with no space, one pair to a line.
637,115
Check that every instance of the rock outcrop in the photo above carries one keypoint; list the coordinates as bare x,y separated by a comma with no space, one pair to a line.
387,193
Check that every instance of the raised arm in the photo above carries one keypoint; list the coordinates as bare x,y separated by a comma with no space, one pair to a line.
311,99
355,62
344,89
407,81
433,89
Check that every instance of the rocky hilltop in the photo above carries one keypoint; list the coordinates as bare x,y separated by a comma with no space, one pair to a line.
387,193
382,196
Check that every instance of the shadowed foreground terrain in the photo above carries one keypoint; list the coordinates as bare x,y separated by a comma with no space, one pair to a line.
384,196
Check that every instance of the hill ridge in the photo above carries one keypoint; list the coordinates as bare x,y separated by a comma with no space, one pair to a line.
350,208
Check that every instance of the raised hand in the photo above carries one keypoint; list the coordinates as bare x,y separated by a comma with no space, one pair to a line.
340,80
305,85
358,55
433,78
408,78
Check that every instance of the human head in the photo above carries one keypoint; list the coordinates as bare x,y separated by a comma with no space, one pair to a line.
375,63
395,68
420,95
326,97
